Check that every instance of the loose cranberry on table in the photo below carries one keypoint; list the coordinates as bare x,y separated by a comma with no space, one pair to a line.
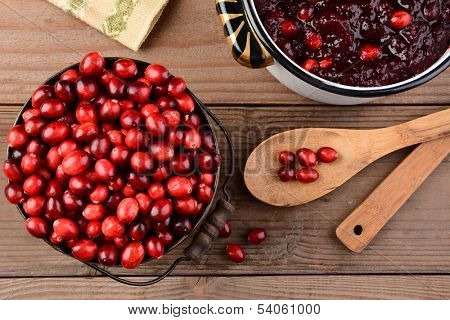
256,236
225,232
111,162
235,253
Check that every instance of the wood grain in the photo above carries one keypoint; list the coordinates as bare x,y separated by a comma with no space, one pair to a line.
301,240
378,208
39,39
232,288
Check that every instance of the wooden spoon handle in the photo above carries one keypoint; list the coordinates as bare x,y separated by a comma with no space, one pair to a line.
364,223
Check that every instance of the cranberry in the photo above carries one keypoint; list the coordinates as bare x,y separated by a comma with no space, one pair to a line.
185,103
85,250
369,52
87,89
162,226
166,238
120,155
161,173
235,253
161,210
148,109
65,228
288,28
141,162
108,254
116,137
181,164
94,229
17,137
54,188
307,175
94,211
126,105
161,152
105,169
55,239
156,125
313,40
306,157
138,181
132,255
65,91
76,162
144,203
99,193
12,170
176,86
185,206
55,132
205,193
35,125
138,231
61,176
128,191
327,154
157,74
41,94
106,76
131,119
206,178
286,173
72,202
305,13
34,185
175,137
125,68
256,236
400,19
37,227
112,227
225,232
171,117
192,139
139,91
116,88
70,75
179,187
54,209
87,112
127,210
182,225
100,147
121,241
14,193
37,147
155,247
286,158
30,113
54,159
208,162
208,142
34,205
310,65
110,110
30,163
66,147
156,191
92,65
135,139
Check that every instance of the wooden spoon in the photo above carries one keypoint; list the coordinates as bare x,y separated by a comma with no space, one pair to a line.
356,148
364,223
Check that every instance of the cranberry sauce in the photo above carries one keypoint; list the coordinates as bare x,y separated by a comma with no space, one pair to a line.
363,43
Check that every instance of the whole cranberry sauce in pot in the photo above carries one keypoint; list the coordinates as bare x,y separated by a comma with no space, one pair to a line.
362,43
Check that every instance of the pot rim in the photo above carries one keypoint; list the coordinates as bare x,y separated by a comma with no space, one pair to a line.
279,56
199,107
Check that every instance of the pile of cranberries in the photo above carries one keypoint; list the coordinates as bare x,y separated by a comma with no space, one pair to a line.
111,163
359,43
307,159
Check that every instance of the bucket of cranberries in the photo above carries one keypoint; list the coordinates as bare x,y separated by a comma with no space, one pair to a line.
114,161
341,52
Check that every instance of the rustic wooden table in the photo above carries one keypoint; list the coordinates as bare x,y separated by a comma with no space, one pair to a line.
302,257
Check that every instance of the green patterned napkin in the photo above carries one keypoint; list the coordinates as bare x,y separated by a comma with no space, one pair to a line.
127,21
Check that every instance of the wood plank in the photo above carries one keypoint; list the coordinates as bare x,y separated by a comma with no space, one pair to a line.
301,240
38,39
233,288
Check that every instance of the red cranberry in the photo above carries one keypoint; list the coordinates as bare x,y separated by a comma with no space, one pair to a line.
175,137
94,229
327,154
30,113
400,19
181,164
12,170
55,239
161,210
41,94
30,163
208,142
85,250
132,255
87,89
192,139
286,173
127,210
148,109
14,193
125,68
35,125
80,185
131,119
310,65
110,110
138,231
225,232
35,205
306,157
65,91
256,236
166,238
179,187
65,228
108,254
138,181
105,169
288,28
76,162
185,206
166,103
135,139
141,162
100,147
120,155
128,191
161,152
307,175
116,137
182,225
206,178
54,159
66,147
86,112
156,125
313,41
286,158
37,227
185,103
55,132
235,253
92,65
116,88
126,105
157,74
52,108
44,172
61,176
139,91
305,13
144,203
176,86
156,191
155,247
54,188
70,75
208,162
99,194
172,117
369,52
161,173
17,137
205,193
112,227
54,209
72,202
94,212
34,185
